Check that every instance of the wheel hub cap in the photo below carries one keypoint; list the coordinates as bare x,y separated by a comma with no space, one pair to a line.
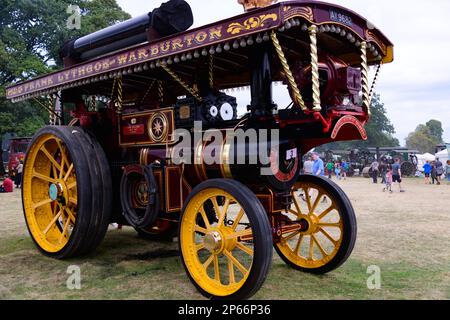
213,241
53,192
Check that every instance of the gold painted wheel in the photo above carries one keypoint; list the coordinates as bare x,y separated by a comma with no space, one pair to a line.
50,193
225,240
62,169
320,227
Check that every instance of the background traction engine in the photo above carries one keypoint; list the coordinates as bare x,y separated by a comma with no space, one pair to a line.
154,139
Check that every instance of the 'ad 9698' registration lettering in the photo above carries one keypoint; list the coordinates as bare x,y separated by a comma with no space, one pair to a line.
341,18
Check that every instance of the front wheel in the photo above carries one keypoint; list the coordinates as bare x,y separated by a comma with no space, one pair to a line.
320,227
66,192
226,256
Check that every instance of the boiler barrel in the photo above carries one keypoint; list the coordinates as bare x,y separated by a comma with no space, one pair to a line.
133,27
172,17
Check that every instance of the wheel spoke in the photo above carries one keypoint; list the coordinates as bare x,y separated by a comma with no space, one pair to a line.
208,262
326,212
64,160
244,248
43,177
68,173
292,235
334,225
316,203
199,229
297,206
73,200
308,199
216,268
42,203
72,185
220,214
70,214
55,172
326,234
231,271
298,246
65,229
311,248
224,210
199,247
205,218
238,234
324,254
237,219
241,268
50,157
55,218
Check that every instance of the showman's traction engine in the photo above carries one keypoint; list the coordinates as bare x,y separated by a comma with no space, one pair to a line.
147,132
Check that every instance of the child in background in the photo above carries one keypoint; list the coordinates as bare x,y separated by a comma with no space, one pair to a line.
337,170
388,186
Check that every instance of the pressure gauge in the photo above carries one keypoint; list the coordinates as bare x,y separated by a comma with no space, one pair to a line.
226,112
213,112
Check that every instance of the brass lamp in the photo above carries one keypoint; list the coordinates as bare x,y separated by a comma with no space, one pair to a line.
254,4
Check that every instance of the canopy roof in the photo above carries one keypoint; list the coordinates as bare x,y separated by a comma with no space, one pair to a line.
340,32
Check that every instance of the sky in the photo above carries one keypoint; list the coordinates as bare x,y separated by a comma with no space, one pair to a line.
414,88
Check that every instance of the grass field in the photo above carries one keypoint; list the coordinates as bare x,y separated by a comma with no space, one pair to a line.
407,235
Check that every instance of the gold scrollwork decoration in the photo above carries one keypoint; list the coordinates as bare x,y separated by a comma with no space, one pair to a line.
251,23
302,12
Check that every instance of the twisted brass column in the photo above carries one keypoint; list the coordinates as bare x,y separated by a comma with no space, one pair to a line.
119,84
315,69
365,78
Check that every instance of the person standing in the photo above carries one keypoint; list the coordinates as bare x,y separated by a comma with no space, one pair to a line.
318,167
448,170
439,170
397,174
383,171
433,172
308,166
337,170
375,171
330,167
345,168
427,172
19,170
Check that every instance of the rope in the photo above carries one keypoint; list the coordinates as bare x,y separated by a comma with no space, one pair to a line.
211,71
193,92
374,82
150,87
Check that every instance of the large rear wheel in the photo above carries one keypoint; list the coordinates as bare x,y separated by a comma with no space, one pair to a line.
320,227
227,257
66,192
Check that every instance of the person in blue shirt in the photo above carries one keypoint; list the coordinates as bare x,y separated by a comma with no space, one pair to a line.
427,171
318,167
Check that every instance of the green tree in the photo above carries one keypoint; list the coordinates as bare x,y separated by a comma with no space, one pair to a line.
380,131
31,34
435,130
426,136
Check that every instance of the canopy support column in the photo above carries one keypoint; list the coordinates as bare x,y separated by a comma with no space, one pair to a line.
317,107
